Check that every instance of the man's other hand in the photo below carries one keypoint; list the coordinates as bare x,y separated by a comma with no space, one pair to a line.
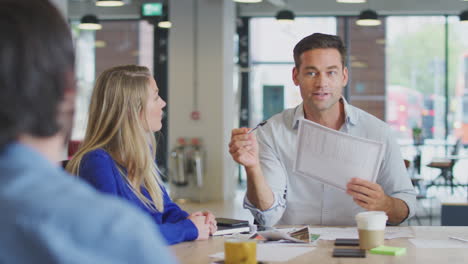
369,195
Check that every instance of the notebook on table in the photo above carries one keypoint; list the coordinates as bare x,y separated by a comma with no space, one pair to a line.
228,226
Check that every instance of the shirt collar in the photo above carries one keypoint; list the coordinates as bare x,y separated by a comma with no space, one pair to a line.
350,114
298,115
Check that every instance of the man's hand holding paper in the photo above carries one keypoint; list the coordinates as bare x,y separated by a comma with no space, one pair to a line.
368,195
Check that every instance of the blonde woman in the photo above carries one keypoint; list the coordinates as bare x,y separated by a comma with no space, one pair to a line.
117,155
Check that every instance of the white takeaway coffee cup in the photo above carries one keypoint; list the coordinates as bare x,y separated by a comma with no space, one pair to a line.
371,228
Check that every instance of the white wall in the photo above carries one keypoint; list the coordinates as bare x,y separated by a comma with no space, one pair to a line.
201,66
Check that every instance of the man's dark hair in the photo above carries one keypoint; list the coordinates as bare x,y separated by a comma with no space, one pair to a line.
36,62
319,41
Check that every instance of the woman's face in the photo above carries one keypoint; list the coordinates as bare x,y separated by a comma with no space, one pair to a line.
154,106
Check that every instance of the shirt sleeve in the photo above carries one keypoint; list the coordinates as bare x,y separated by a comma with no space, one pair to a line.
118,233
175,226
181,231
275,175
144,244
393,176
172,212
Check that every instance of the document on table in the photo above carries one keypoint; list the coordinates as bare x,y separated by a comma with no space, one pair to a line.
296,235
275,252
335,157
332,233
438,243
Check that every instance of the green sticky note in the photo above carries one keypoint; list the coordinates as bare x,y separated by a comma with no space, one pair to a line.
385,250
314,237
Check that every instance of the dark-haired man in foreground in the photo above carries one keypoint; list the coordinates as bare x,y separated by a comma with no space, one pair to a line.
47,216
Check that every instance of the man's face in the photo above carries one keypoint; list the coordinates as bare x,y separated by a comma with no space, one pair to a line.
321,78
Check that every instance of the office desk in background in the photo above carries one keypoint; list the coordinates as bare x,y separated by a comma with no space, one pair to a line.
197,252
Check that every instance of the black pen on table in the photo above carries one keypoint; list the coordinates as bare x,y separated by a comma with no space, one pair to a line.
259,125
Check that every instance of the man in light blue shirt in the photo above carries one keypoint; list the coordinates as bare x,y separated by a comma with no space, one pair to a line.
276,194
47,215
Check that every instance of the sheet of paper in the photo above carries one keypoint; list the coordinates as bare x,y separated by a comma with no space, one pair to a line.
275,252
320,150
297,235
332,233
438,243
459,238
275,235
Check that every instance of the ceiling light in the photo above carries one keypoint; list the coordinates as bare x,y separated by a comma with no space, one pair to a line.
359,64
368,17
165,24
108,3
285,16
248,1
100,44
464,16
380,41
352,1
89,22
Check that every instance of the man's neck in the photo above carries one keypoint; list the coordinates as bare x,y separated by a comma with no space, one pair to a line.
50,147
332,118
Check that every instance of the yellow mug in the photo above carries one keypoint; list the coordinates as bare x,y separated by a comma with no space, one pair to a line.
240,251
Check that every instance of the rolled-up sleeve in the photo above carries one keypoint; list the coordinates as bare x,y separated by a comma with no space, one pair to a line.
270,216
394,178
275,175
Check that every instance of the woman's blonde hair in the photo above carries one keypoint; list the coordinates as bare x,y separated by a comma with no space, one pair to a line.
117,123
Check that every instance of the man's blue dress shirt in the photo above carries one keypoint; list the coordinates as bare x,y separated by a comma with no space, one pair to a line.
49,216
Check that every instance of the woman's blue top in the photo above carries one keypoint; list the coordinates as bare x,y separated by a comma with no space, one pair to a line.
100,170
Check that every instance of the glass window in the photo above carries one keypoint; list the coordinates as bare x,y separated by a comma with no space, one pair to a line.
458,79
415,75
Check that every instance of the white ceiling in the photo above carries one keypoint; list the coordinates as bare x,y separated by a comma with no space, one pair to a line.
383,7
77,8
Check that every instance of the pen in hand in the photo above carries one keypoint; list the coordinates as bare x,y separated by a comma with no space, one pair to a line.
259,125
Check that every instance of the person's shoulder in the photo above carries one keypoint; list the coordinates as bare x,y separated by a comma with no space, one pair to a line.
282,119
96,157
82,220
368,120
97,153
115,227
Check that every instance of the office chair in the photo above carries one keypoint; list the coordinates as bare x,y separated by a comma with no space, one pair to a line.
446,168
421,195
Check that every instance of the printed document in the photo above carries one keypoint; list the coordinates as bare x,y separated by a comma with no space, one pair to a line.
334,157
332,233
438,243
